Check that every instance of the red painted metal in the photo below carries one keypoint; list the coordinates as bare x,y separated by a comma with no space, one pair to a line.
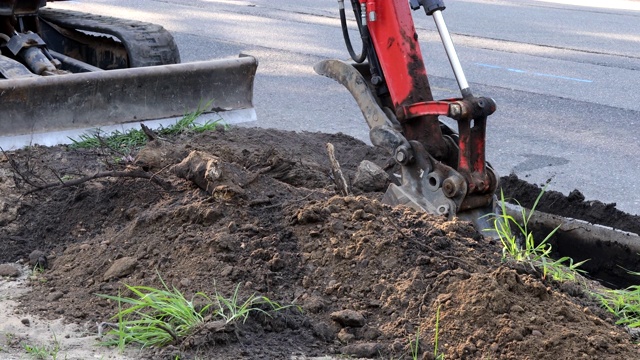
471,162
395,41
425,108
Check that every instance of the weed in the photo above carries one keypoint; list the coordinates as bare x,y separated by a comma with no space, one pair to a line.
414,345
10,337
563,269
162,316
42,351
230,309
518,243
126,142
37,269
158,317
437,354
117,140
36,351
624,304
188,122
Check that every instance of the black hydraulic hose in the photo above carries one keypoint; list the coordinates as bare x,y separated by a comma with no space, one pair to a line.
364,34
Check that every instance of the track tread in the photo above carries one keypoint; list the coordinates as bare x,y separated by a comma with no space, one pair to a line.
147,44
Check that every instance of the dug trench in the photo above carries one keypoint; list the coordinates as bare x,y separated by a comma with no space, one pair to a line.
258,209
612,263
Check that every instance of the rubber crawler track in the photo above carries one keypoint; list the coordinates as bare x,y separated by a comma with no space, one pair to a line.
146,44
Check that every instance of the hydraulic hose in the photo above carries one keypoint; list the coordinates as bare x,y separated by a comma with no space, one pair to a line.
364,32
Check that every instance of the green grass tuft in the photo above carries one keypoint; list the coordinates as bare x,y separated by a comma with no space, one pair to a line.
436,353
624,304
42,352
155,317
159,317
518,243
131,140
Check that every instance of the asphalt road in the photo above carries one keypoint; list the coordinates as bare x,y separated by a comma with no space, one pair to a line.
566,77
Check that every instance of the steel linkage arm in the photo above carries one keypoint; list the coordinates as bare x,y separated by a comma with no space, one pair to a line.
396,43
442,172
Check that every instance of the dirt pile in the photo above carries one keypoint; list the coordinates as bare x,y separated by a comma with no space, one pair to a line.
258,208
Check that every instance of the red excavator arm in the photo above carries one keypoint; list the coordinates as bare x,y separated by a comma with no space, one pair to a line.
442,172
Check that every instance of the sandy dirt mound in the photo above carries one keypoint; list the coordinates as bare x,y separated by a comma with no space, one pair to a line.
258,208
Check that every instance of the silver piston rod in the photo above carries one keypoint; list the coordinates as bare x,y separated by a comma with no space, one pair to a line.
434,8
451,53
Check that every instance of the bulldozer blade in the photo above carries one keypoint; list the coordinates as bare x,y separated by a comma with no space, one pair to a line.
40,110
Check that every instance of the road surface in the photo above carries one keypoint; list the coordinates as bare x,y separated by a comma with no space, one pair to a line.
565,75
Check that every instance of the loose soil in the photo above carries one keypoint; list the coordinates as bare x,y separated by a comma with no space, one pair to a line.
258,208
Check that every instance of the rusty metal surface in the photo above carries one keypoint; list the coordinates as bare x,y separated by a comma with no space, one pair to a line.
428,185
44,104
11,69
99,51
350,78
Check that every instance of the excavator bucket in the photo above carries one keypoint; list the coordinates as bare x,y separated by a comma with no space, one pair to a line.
64,72
41,109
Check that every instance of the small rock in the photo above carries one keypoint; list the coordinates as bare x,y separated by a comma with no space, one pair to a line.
371,334
121,267
25,322
185,282
226,271
469,348
55,296
38,258
314,304
10,270
634,332
536,333
365,350
370,177
323,332
345,337
276,263
494,347
348,318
